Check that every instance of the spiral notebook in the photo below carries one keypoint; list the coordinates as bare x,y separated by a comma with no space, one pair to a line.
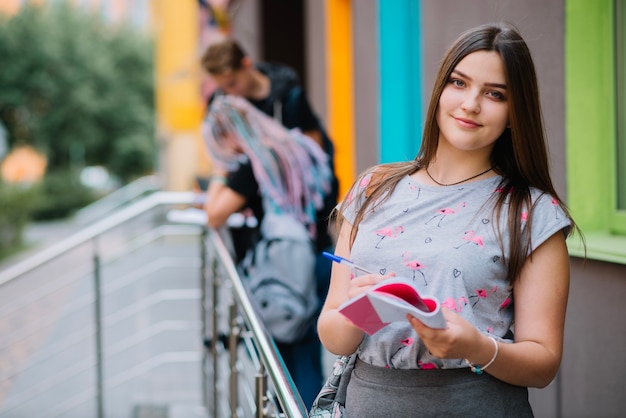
390,301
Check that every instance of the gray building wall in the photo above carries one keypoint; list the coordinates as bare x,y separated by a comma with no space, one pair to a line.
247,28
366,84
315,56
593,367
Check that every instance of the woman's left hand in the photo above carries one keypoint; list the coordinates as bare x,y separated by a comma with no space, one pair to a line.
455,341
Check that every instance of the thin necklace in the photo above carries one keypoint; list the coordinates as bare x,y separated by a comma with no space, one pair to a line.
458,182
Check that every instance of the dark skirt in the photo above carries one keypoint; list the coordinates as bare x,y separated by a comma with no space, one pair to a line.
381,392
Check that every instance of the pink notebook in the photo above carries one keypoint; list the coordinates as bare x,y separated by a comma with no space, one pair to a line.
390,301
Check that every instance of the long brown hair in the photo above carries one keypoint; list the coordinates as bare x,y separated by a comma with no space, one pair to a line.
520,154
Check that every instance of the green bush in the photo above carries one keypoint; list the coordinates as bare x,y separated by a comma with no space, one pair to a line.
59,196
16,203
78,89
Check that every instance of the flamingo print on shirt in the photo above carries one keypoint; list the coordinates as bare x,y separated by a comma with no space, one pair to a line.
413,187
442,213
483,294
470,237
555,203
413,265
365,181
426,366
388,232
455,305
505,304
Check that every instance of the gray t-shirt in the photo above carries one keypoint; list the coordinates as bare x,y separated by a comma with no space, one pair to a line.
443,238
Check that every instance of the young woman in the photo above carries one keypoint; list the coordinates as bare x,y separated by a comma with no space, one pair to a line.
475,221
260,166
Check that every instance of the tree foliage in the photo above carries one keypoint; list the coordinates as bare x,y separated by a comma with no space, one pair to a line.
78,89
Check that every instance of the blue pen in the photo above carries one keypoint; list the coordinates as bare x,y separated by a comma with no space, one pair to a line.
340,260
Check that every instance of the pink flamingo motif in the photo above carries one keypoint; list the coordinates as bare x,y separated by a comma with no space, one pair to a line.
389,232
365,181
455,305
350,197
413,265
524,216
483,294
471,237
362,185
426,366
501,190
505,304
413,187
555,203
442,213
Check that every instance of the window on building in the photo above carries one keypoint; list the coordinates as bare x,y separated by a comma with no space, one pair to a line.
595,91
620,84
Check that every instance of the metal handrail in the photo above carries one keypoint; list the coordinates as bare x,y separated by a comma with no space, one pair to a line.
288,395
118,198
284,389
90,232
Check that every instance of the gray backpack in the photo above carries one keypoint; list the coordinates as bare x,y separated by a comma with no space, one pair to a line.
280,275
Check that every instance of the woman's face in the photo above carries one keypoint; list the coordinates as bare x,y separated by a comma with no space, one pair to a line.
473,107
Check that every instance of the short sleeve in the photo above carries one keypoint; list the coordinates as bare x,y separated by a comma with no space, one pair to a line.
243,182
547,218
355,197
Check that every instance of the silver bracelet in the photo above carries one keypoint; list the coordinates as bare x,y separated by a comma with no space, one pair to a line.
478,369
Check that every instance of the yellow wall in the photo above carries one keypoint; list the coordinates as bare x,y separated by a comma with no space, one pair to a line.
178,101
340,94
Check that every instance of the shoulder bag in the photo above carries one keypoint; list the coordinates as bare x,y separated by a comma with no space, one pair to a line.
331,400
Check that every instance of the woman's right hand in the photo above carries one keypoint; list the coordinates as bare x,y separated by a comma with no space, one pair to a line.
362,283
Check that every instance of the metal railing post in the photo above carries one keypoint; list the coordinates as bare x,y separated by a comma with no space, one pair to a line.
203,314
98,330
214,335
235,331
261,392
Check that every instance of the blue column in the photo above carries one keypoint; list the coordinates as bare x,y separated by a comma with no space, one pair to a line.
400,80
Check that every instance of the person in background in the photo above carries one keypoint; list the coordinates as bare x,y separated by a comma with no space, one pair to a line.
275,90
476,220
256,158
